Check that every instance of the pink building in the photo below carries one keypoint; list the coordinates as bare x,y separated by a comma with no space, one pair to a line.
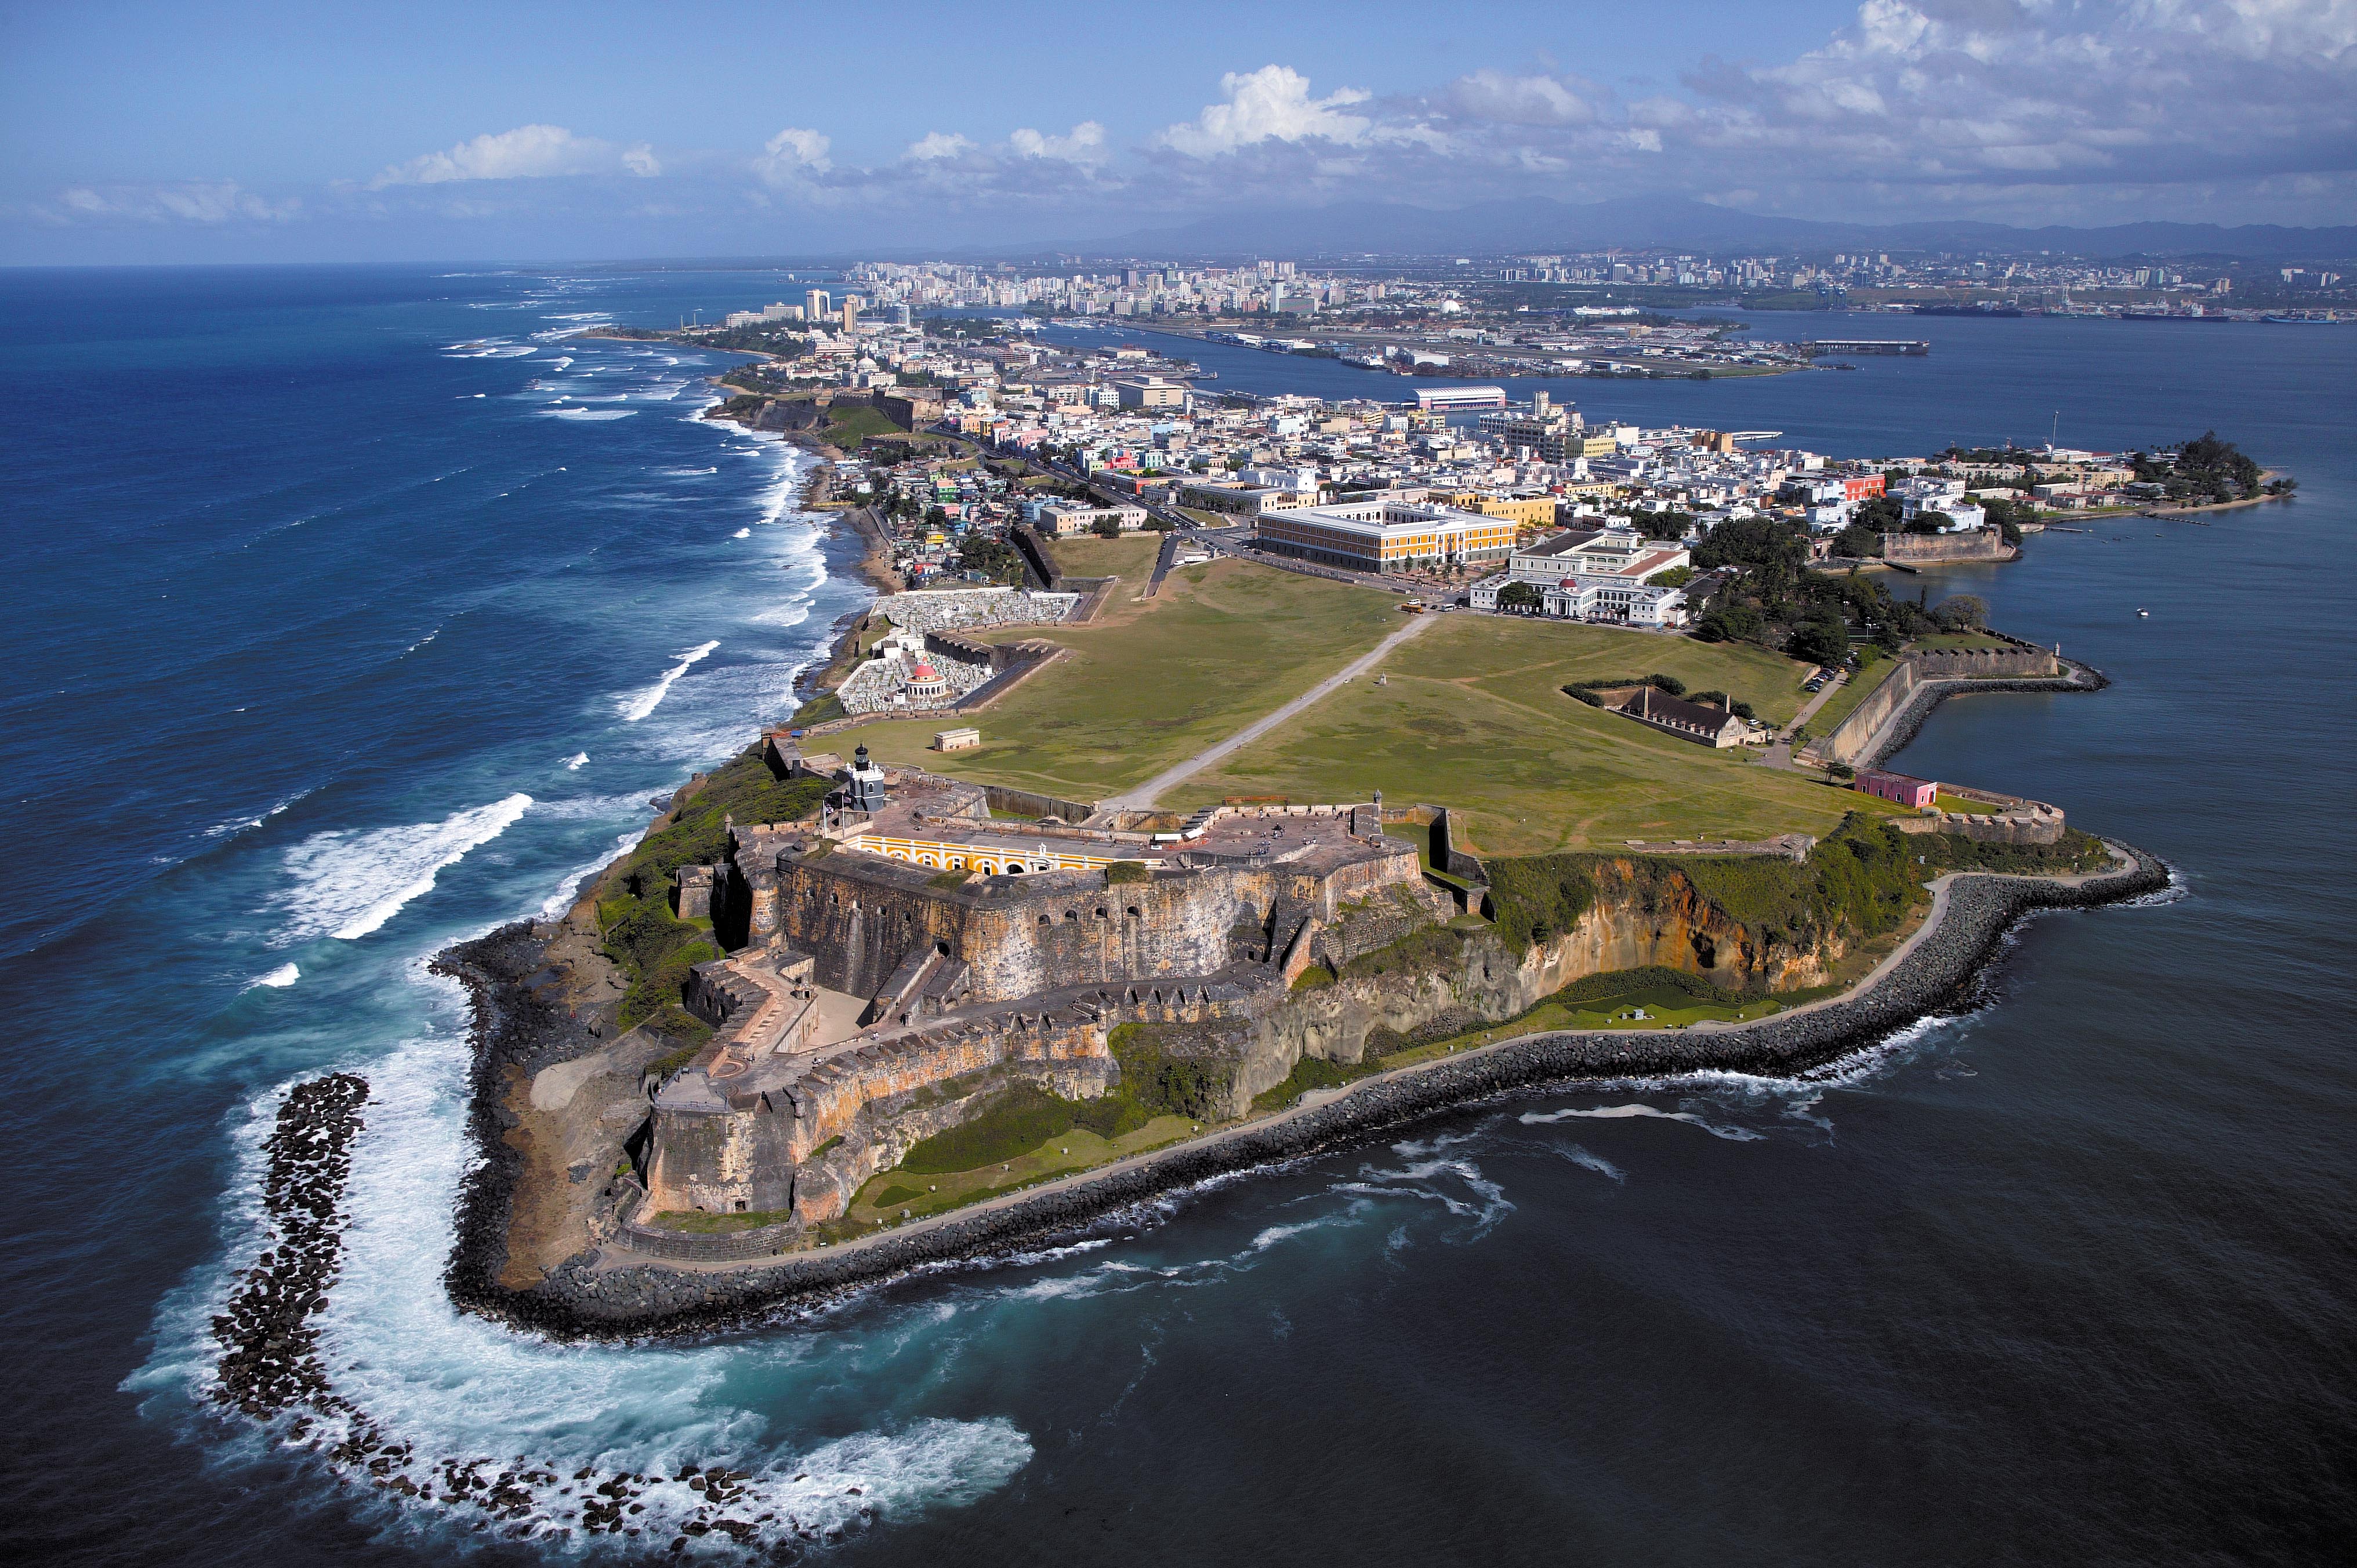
1899,786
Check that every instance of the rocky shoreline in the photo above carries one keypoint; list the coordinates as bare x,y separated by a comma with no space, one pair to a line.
583,1299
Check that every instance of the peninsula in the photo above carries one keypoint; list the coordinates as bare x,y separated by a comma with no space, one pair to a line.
1214,780
1003,935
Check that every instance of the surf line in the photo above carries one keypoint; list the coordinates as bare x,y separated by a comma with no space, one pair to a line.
269,1368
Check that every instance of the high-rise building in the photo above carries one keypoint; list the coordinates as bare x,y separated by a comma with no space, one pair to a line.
851,313
817,305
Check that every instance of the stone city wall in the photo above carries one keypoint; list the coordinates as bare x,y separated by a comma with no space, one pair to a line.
861,914
1924,549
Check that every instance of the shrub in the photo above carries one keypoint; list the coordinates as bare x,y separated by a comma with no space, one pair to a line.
1014,1122
1623,982
1308,1073
1428,949
1122,871
654,947
1163,1083
1538,897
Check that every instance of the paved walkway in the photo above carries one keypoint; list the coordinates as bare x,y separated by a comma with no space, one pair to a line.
1779,754
1144,795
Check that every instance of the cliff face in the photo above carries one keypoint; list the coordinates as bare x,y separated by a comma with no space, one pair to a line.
1640,917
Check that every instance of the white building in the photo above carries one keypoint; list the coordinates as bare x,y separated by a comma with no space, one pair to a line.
1603,576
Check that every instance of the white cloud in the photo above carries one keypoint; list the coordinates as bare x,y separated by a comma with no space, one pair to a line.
1516,100
528,151
1085,144
187,201
793,154
938,145
1272,103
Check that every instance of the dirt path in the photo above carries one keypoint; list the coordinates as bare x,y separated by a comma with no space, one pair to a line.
1145,794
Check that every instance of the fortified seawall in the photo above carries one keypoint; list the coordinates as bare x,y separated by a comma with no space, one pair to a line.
581,1297
1926,677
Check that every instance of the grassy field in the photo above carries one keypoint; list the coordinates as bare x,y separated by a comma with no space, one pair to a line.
1154,681
1855,690
1474,718
887,1193
1129,557
1947,642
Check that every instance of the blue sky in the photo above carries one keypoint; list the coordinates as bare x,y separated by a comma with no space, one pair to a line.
147,133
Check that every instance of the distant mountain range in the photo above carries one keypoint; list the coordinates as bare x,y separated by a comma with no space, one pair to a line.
1539,224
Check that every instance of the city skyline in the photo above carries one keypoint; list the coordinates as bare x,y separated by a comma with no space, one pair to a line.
262,132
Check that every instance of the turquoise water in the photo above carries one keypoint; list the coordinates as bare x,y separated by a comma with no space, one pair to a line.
356,620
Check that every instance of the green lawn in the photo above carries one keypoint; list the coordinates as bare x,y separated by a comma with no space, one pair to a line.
849,423
1129,557
1154,682
884,1195
1948,802
1855,690
1949,640
1474,718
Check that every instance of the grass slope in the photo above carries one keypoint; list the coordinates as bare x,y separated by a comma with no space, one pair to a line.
1129,557
1154,682
1846,699
1474,718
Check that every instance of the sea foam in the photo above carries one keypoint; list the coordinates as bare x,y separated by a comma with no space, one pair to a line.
346,884
638,706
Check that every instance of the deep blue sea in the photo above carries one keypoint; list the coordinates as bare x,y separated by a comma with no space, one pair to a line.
364,609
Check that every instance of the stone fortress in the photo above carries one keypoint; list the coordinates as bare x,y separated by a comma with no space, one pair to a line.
909,953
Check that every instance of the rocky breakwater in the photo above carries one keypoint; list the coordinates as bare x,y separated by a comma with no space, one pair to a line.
589,1296
270,1352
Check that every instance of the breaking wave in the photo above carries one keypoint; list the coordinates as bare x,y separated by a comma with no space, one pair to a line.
1615,1112
346,884
636,707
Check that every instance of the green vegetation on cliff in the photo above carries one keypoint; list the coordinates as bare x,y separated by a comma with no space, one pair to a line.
1860,880
654,948
1863,878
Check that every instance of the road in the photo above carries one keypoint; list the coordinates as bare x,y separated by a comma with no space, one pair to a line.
1779,755
1144,795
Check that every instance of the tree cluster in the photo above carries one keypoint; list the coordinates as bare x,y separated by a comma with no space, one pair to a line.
2204,469
1775,601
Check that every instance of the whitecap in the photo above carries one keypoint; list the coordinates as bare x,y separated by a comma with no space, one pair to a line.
346,884
278,979
574,762
1617,1112
742,533
634,708
1596,1163
449,1392
589,414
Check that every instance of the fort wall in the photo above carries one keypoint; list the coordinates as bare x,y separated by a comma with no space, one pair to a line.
1851,739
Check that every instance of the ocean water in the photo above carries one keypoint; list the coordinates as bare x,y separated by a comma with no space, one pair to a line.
364,609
